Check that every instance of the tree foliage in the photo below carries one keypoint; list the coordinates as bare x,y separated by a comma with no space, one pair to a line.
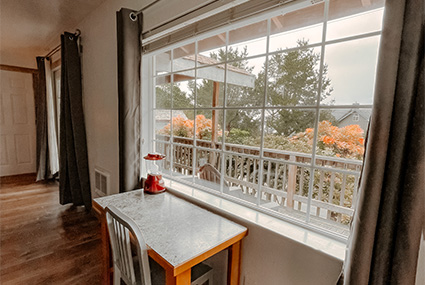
235,95
185,127
345,142
294,80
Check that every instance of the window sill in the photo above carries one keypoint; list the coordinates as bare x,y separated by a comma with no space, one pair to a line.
309,238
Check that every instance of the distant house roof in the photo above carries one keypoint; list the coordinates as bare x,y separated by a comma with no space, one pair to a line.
164,115
343,113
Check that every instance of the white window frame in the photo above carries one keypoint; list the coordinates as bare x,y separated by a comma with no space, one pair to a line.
148,91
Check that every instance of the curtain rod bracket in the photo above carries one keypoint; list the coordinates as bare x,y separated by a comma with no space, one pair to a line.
133,15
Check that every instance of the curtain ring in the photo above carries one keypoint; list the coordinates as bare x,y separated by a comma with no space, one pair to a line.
71,38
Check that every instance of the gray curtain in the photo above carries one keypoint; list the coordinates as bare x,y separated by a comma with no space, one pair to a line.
74,183
387,224
129,60
41,122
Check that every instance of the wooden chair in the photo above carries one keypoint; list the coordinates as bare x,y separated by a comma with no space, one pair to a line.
210,173
130,256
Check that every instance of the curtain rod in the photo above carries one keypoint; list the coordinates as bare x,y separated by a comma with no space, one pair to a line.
133,15
58,47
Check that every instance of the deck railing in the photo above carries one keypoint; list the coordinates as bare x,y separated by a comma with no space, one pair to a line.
285,177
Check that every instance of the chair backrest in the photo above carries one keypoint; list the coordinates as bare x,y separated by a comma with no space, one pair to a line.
121,229
210,173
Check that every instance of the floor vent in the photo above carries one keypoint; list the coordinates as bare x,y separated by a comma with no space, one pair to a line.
101,182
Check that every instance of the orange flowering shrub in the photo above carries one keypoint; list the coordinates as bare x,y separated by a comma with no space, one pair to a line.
347,142
185,127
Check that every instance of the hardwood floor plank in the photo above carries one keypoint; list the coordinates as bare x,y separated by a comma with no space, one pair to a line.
43,242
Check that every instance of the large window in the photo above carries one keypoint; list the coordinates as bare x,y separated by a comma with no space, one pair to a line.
271,112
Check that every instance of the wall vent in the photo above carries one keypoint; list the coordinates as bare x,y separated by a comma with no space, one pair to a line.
101,182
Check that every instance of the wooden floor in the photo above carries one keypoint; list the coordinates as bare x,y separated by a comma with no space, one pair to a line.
43,242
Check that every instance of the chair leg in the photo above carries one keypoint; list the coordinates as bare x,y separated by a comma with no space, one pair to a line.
117,276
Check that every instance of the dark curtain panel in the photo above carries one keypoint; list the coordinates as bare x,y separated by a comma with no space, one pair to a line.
41,122
74,181
387,224
129,59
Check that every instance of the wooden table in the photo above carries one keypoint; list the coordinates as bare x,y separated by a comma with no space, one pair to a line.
178,233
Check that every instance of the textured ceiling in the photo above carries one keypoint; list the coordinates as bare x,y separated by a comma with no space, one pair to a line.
34,26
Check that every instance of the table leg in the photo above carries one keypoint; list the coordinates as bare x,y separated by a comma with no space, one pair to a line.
183,278
169,277
234,264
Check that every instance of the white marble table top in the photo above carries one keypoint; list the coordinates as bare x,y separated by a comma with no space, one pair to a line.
173,227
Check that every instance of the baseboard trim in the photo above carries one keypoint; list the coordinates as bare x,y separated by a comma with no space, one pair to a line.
29,177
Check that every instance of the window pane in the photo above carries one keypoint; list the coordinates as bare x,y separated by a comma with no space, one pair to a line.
333,200
244,84
162,127
182,160
212,50
163,63
183,92
243,130
241,177
184,57
209,128
285,188
210,86
293,78
163,92
281,134
165,149
303,25
208,166
183,129
247,41
351,72
342,25
340,139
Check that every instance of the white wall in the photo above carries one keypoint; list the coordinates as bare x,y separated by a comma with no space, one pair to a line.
100,91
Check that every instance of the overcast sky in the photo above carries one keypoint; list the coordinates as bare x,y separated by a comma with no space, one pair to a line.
351,64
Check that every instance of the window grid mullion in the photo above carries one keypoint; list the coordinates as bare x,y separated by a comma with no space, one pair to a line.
263,111
195,152
171,115
316,121
224,112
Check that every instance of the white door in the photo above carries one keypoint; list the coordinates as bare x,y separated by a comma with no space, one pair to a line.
17,124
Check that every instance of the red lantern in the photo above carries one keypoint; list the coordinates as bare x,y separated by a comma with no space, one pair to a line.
154,183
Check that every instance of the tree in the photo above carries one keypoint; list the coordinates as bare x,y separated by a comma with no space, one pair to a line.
235,95
180,98
293,80
345,142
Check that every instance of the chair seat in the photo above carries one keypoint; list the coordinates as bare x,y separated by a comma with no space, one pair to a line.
158,273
